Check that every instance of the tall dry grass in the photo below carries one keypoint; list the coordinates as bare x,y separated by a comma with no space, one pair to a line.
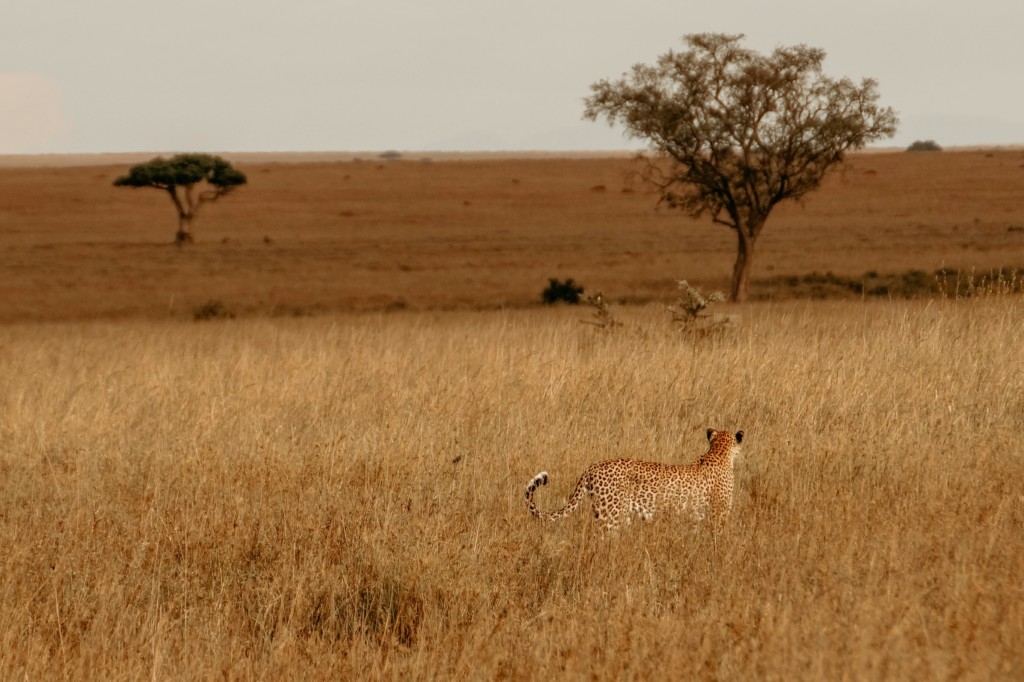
343,498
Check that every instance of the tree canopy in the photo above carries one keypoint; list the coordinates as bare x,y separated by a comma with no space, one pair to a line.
178,176
740,131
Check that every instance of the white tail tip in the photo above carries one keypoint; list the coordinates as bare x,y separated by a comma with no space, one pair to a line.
538,480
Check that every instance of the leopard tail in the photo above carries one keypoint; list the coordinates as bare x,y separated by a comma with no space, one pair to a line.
570,506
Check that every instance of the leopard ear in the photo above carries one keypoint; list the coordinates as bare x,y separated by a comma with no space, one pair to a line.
739,436
711,432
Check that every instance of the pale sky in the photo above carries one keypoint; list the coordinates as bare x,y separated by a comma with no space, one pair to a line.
417,75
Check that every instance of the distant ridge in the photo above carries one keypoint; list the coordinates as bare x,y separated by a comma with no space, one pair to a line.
128,158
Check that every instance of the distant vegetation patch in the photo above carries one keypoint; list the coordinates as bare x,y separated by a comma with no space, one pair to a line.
948,282
924,146
567,291
212,310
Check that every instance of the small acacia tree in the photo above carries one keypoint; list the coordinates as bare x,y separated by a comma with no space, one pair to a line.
737,132
179,176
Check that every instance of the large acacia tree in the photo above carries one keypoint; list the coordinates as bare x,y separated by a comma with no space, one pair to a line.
736,131
191,180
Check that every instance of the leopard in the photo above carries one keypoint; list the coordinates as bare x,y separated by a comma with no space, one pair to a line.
621,489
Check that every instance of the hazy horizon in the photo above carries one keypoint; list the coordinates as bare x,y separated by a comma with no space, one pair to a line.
455,75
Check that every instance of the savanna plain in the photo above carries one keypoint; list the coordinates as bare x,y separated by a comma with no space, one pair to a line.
329,485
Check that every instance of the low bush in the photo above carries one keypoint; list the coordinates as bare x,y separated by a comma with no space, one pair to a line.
567,291
924,146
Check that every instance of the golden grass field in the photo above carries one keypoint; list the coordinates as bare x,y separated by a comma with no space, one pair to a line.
340,495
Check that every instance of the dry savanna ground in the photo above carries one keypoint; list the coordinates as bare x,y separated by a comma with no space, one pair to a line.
341,497
334,236
330,484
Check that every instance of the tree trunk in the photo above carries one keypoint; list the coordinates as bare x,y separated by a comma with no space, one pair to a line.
741,271
184,235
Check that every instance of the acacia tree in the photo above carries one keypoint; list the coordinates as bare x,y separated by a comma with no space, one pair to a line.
736,132
179,176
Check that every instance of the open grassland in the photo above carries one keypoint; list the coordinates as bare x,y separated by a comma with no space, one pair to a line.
341,498
305,238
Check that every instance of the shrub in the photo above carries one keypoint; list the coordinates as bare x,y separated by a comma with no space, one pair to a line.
690,314
603,317
924,146
567,291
